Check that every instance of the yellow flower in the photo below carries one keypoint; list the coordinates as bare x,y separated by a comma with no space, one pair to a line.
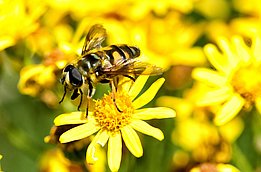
18,19
249,7
39,80
236,83
34,78
195,134
54,160
112,126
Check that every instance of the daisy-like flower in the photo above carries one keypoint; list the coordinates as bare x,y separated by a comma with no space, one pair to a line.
236,82
113,126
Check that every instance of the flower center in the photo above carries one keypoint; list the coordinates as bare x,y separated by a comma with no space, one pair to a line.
247,82
113,116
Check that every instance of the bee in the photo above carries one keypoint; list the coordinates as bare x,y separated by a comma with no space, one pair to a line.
98,64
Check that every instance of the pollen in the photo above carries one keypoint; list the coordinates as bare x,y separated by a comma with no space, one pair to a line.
112,116
247,82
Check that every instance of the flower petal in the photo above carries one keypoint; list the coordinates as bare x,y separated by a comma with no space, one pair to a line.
154,113
216,58
91,157
103,138
243,50
79,132
256,46
91,153
132,141
228,51
215,96
70,118
208,76
114,152
5,42
149,94
229,110
258,104
147,129
137,86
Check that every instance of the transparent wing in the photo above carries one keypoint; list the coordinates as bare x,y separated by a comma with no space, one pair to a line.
94,38
133,66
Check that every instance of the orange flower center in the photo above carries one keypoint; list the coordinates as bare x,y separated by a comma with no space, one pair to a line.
247,82
112,116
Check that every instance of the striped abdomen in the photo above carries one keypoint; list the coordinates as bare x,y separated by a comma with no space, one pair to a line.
116,53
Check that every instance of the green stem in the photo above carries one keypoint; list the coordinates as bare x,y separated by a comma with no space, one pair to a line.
240,160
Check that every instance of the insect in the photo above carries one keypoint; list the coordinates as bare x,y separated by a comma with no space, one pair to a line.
99,64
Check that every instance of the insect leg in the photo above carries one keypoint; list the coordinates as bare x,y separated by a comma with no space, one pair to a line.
89,95
75,94
80,100
130,77
87,107
113,83
63,95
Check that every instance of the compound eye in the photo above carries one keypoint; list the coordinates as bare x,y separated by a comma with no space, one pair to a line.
68,68
75,77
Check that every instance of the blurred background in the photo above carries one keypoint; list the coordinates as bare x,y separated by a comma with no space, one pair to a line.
38,38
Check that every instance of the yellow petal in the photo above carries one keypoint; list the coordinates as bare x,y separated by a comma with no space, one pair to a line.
226,168
147,129
91,156
5,42
232,130
228,51
137,86
149,94
154,113
180,105
229,110
215,96
114,152
100,139
70,118
132,141
256,47
208,76
103,138
216,58
242,49
79,132
258,104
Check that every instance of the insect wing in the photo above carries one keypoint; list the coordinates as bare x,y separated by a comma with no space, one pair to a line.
133,66
96,35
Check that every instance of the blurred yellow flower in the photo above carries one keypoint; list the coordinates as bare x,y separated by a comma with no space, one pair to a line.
213,9
18,19
246,26
236,83
250,7
215,168
199,140
169,42
54,160
113,126
34,78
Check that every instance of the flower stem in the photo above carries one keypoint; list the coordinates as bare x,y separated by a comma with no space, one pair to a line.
240,160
